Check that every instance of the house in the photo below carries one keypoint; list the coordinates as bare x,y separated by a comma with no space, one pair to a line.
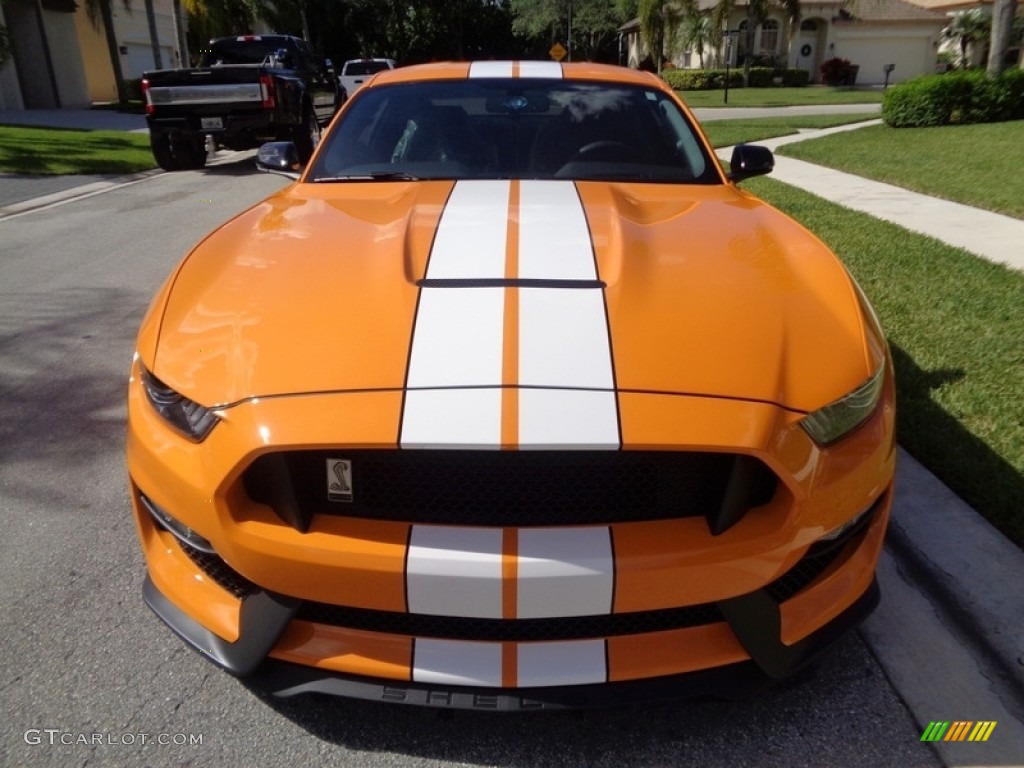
62,60
978,53
872,34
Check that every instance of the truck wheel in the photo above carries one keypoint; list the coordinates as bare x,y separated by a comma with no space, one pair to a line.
176,154
307,135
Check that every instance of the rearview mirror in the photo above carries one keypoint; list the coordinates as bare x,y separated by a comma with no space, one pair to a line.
281,157
750,160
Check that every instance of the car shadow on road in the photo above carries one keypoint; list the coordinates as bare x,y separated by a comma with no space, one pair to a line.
838,701
63,372
940,441
233,164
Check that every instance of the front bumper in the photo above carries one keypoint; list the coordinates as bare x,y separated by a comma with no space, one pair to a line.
284,679
284,653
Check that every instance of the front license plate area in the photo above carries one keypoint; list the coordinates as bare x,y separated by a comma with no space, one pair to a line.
211,123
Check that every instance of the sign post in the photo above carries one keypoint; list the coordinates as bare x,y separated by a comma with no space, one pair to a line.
729,34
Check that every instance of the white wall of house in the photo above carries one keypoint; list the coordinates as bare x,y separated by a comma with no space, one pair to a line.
132,31
67,58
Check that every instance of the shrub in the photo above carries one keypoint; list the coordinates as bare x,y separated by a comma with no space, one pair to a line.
836,71
955,97
713,79
133,89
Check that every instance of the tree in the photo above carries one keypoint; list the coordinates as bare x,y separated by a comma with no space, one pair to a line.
586,24
154,40
1003,12
757,14
697,35
659,22
6,51
966,28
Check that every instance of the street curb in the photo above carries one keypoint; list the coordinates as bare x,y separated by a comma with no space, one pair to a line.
99,187
74,193
948,631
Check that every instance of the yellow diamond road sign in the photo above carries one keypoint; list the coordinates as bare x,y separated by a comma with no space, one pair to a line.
558,52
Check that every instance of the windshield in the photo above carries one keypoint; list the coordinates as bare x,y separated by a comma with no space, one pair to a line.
251,50
513,129
370,67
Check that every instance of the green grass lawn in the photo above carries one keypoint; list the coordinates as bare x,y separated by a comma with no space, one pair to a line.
956,326
723,133
978,165
56,151
781,97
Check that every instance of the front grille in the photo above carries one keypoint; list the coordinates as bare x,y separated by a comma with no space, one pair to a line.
220,572
817,559
510,630
506,488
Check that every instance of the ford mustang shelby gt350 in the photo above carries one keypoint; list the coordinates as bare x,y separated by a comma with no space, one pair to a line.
513,399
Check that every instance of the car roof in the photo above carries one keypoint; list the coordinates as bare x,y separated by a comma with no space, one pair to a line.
458,70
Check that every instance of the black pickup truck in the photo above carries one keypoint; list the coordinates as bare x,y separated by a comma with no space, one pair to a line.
245,91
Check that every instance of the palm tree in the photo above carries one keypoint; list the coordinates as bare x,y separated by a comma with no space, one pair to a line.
697,35
1003,12
967,27
154,40
659,21
757,14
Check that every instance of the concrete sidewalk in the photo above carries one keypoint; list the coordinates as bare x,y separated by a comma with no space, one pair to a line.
990,235
81,119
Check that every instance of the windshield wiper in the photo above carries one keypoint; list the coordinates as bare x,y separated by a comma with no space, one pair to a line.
374,176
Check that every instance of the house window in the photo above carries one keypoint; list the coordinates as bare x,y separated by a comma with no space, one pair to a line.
741,42
808,26
770,36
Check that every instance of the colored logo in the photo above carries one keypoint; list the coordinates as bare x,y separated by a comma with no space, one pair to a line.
958,730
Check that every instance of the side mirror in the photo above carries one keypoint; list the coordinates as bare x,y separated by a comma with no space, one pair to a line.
283,57
750,160
281,157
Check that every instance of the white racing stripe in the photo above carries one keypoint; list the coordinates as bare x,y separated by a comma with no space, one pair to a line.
551,70
554,239
456,662
570,662
490,69
564,572
471,235
454,571
564,364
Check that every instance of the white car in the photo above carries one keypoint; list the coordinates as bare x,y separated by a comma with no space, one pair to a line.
355,72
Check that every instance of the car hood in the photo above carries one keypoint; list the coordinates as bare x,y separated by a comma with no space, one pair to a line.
587,287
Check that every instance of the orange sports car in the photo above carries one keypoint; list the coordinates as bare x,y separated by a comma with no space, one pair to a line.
512,400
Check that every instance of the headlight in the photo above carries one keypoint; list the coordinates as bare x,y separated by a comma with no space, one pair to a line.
838,419
188,417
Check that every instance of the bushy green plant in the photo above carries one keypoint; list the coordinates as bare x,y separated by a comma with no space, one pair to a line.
955,98
133,89
836,71
714,79
6,51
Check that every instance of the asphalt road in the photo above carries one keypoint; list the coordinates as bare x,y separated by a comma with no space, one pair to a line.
89,677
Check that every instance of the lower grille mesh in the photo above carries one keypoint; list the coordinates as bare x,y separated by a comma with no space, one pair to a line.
503,488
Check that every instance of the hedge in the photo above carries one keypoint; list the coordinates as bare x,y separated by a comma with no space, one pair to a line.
955,98
713,79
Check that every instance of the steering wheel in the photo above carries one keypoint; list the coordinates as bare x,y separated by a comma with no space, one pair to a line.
606,149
